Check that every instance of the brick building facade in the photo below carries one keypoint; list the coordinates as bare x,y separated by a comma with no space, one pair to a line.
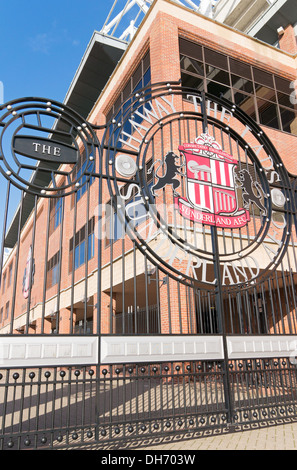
173,44
149,283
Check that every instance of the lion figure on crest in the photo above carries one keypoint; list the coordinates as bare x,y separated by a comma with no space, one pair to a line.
171,171
251,191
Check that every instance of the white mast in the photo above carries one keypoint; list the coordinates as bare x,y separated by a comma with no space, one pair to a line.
116,22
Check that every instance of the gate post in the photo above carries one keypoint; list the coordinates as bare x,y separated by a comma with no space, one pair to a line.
218,293
221,323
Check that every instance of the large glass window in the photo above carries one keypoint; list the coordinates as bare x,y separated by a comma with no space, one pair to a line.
53,270
56,212
81,247
10,274
141,78
4,283
268,114
242,84
289,120
83,179
7,310
191,65
219,90
264,96
114,225
217,75
246,103
192,81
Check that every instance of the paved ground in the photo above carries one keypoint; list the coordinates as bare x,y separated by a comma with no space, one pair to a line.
56,404
278,437
274,437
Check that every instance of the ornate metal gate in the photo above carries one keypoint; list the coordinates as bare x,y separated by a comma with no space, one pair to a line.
148,274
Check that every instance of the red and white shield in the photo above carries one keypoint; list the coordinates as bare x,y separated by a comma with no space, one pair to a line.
210,179
210,184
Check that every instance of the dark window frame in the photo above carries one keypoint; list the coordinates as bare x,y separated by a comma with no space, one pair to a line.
86,234
53,269
7,310
268,87
140,78
9,279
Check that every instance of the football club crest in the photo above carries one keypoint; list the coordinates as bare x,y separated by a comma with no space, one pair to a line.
211,185
198,162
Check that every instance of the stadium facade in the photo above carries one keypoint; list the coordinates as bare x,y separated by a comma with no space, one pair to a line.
152,255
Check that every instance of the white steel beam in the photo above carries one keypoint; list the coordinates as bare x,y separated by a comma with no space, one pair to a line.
112,23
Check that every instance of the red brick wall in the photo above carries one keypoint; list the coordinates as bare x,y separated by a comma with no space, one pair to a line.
287,40
162,41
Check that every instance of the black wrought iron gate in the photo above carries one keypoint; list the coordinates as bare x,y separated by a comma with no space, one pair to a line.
148,274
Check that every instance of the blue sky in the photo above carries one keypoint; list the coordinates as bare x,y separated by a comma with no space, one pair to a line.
42,43
41,46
